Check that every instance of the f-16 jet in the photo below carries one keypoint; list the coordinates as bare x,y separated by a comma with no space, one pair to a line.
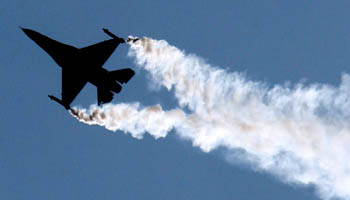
82,65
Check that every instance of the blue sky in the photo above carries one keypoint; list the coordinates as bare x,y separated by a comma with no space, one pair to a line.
47,154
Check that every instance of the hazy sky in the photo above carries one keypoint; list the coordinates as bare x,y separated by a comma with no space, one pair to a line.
47,154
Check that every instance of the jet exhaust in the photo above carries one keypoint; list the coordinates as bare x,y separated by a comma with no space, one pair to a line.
299,133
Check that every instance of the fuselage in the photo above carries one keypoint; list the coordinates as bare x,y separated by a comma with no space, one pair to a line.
76,59
98,76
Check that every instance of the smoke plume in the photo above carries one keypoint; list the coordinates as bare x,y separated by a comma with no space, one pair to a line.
300,133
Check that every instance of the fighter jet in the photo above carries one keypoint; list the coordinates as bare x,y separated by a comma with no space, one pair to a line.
82,65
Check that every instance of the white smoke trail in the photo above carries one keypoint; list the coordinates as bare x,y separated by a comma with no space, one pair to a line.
301,134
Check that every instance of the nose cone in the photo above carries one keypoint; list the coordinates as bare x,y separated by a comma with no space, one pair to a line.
30,33
40,39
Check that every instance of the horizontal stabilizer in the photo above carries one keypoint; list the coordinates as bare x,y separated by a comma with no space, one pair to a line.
122,75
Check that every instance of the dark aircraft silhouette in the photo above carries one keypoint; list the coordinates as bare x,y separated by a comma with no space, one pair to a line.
83,65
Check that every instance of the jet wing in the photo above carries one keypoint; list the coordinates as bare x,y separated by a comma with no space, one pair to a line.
72,84
97,54
58,51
